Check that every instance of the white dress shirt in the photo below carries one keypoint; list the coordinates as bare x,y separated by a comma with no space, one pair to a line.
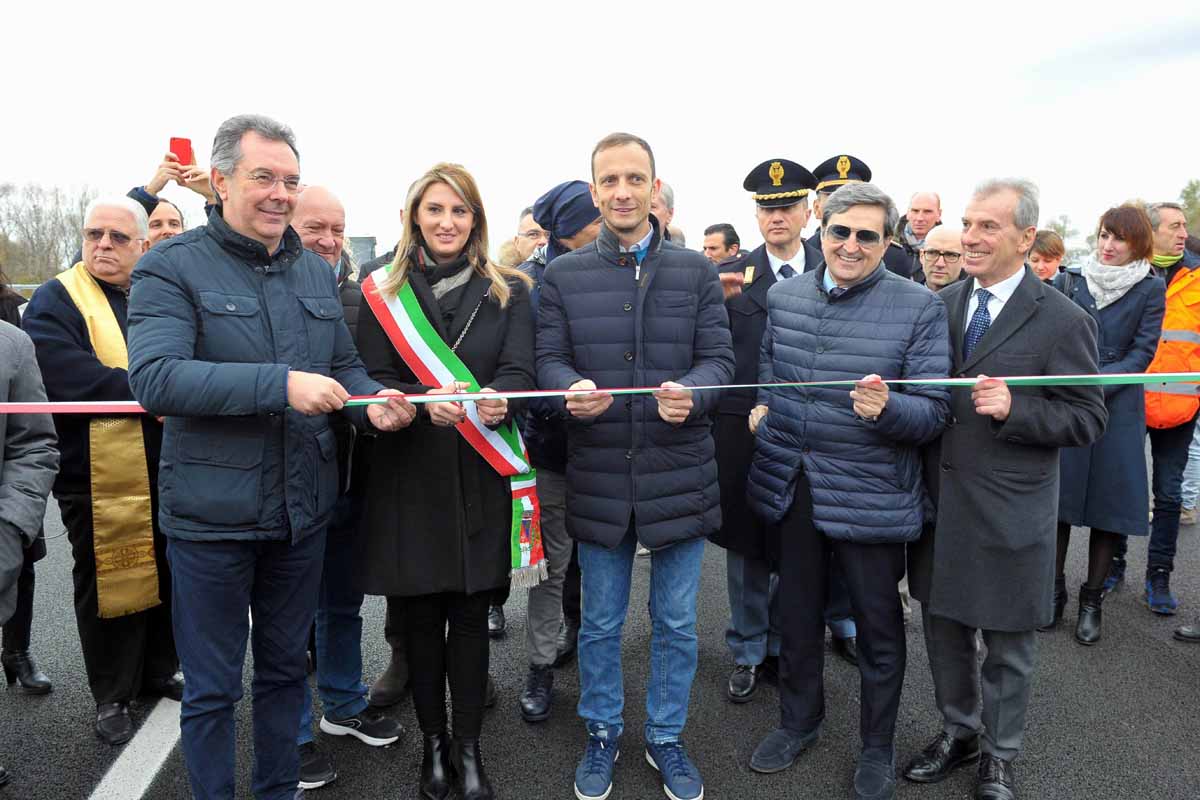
1001,292
796,262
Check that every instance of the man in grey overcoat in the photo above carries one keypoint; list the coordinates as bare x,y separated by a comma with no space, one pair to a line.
28,462
994,481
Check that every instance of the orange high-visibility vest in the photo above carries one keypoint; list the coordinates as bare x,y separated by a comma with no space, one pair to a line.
1171,405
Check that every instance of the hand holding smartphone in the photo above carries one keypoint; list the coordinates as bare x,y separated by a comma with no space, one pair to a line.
182,149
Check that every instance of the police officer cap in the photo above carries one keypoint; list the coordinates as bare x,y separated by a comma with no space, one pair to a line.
779,182
840,170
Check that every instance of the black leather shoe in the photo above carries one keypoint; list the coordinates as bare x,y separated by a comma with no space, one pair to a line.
113,724
4,776
1188,633
1060,604
874,780
568,641
943,755
995,779
316,767
743,683
391,687
436,773
497,625
538,693
489,693
170,686
470,779
1087,627
846,649
20,668
780,749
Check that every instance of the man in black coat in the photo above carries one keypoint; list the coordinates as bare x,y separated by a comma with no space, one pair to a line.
632,311
320,220
994,480
781,189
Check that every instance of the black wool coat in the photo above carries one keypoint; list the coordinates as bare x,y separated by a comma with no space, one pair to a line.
741,529
437,516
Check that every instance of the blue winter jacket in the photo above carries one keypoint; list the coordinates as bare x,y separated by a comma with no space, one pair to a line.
602,318
865,475
215,325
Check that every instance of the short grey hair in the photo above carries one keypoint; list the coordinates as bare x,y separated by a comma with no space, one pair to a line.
525,212
1026,213
861,194
668,195
227,144
1154,211
119,201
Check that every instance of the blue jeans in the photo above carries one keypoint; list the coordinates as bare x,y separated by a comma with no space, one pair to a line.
674,581
214,584
339,626
1168,457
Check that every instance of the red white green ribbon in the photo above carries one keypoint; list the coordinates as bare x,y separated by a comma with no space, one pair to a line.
435,364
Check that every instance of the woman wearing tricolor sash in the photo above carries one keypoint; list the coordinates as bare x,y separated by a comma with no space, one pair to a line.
451,510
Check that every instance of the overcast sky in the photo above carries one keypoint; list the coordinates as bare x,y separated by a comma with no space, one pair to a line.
1095,105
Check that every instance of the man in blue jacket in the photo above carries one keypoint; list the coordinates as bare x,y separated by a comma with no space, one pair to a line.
632,311
838,468
237,338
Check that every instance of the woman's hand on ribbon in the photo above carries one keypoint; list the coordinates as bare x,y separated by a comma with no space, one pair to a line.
870,395
491,412
674,402
587,406
449,413
397,414
992,398
756,416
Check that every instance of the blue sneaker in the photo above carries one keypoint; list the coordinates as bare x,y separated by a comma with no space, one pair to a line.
593,776
681,779
1115,576
1158,592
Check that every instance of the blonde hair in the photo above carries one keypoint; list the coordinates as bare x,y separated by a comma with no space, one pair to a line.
462,184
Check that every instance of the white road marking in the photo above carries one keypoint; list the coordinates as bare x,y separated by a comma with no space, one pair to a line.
131,774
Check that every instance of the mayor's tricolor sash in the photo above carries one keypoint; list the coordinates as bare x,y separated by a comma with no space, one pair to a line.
436,364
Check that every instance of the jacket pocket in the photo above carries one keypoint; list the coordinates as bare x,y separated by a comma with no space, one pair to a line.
231,328
219,479
320,319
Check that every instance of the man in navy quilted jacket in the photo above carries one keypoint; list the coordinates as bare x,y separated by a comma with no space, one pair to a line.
838,467
630,310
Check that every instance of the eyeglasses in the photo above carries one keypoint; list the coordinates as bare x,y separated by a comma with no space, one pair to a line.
533,234
842,233
933,255
116,237
266,180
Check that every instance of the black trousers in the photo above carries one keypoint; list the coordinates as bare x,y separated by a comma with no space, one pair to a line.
572,590
123,653
871,572
19,628
459,653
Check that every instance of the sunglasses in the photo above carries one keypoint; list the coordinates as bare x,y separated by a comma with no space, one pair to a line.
116,237
842,233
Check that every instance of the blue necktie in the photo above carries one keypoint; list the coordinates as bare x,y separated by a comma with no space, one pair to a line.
981,320
786,272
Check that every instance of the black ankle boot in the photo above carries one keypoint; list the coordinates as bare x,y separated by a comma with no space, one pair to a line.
436,773
471,780
1087,629
19,668
1060,603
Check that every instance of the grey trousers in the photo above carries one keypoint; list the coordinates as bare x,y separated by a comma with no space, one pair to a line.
753,632
1006,678
545,599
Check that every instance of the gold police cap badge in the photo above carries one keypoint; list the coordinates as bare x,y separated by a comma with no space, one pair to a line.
775,173
843,167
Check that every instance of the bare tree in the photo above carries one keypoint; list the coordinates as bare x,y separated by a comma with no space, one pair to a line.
42,227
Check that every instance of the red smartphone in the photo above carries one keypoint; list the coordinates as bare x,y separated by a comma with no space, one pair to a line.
182,148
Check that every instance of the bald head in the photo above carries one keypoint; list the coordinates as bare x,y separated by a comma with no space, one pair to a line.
943,245
924,212
320,220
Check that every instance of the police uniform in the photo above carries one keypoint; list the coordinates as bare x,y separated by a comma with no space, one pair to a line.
835,172
752,546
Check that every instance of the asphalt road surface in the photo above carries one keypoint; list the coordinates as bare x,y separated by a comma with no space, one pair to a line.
1117,720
